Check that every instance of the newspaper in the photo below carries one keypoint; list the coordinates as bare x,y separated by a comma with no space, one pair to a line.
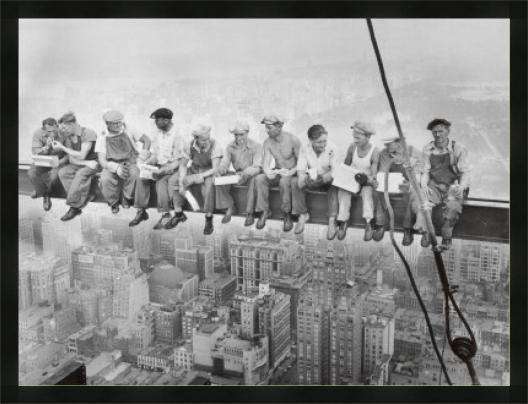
45,161
344,178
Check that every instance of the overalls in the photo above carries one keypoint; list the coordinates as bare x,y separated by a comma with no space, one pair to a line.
201,162
76,179
119,149
441,178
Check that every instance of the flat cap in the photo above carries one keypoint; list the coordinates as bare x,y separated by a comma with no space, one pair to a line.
161,113
113,116
363,127
201,130
239,126
438,121
272,119
390,139
67,117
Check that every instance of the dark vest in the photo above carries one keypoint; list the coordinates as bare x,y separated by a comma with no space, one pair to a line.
202,161
92,155
441,169
119,148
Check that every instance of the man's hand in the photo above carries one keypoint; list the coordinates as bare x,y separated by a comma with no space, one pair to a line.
374,183
456,191
244,177
122,171
144,155
271,174
57,145
327,177
92,164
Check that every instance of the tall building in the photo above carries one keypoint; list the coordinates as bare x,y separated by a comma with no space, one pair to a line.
131,292
196,260
165,244
249,315
254,260
121,231
97,266
89,304
310,334
43,278
24,289
59,325
61,238
274,321
247,359
330,271
220,288
26,237
167,323
30,326
378,341
204,340
345,340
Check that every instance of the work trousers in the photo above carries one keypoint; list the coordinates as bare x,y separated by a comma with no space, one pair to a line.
224,199
412,214
441,194
345,201
263,184
43,179
76,180
167,187
207,190
299,199
113,187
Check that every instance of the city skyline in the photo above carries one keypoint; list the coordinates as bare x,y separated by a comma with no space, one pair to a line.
140,318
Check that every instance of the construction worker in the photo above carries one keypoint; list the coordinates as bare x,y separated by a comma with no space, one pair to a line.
44,178
246,157
205,154
283,147
118,153
445,179
392,159
76,177
364,157
166,153
317,158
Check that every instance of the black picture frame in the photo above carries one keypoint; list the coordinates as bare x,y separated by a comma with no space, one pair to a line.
11,11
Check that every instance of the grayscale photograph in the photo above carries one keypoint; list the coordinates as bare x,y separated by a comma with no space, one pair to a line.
231,202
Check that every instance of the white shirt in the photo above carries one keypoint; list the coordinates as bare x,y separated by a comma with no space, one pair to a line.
323,163
166,146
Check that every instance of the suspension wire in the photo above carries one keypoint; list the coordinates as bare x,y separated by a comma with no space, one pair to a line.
411,278
465,348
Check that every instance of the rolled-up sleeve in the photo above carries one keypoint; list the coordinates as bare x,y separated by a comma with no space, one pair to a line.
177,149
226,160
463,165
426,153
100,144
186,150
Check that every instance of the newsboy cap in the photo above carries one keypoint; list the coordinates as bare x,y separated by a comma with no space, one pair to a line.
363,128
272,119
67,117
161,113
438,121
113,116
390,139
201,130
239,126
